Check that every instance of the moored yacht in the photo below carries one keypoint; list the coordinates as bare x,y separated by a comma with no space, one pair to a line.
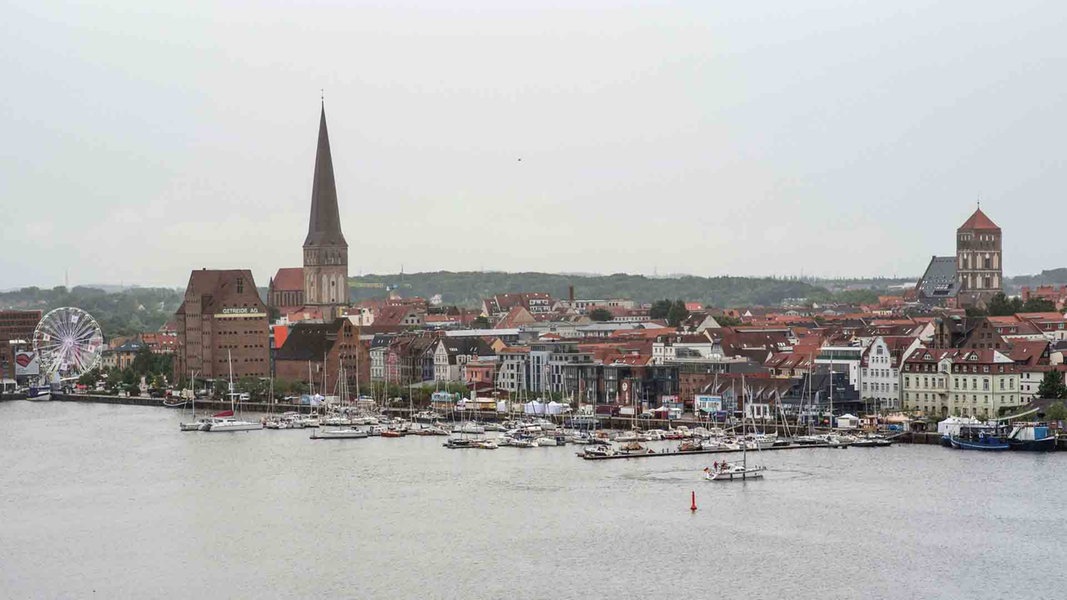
345,433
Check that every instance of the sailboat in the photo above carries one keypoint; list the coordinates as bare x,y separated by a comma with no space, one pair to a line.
730,471
339,433
195,424
226,420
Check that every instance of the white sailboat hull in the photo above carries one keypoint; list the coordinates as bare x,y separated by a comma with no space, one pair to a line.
233,426
339,434
733,473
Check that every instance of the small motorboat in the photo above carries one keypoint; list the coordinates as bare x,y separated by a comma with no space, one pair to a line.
634,448
175,402
690,446
598,451
872,441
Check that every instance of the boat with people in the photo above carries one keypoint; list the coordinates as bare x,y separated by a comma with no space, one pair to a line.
740,470
951,426
729,471
978,437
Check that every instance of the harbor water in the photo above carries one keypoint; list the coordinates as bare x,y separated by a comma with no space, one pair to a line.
115,502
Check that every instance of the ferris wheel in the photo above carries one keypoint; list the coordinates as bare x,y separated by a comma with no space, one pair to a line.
68,342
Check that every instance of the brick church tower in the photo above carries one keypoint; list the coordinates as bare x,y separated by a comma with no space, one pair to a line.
325,248
978,260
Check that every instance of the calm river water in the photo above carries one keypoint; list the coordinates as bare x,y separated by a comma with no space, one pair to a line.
114,501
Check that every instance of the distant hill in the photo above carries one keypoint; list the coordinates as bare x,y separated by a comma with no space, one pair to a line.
1046,277
470,287
119,313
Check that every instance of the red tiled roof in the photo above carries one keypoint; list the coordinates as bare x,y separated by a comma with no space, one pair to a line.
979,220
289,279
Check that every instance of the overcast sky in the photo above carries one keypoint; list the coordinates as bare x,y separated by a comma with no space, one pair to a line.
141,139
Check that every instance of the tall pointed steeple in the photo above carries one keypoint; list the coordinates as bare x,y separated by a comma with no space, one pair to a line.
325,248
324,227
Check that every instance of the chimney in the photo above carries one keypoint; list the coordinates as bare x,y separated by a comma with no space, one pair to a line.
570,294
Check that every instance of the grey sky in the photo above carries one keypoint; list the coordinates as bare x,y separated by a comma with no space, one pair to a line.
144,139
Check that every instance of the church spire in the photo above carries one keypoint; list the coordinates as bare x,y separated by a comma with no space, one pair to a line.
324,227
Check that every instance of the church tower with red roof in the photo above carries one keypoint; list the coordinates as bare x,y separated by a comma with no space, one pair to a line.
978,260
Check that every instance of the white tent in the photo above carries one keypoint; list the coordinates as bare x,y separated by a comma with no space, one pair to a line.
848,421
533,407
554,408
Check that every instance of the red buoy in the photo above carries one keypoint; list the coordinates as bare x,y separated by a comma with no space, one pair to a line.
694,505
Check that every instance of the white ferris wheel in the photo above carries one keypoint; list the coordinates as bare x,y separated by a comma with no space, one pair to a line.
68,342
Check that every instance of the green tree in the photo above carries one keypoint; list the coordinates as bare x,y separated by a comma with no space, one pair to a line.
660,309
90,377
220,387
1056,412
1052,386
601,315
1002,306
143,362
257,388
727,321
677,313
1038,305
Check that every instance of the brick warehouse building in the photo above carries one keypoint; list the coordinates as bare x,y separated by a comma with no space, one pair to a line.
315,353
15,325
222,315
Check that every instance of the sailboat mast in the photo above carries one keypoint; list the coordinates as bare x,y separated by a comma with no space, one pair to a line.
229,363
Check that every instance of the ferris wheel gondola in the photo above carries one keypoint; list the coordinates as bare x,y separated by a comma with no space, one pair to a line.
69,343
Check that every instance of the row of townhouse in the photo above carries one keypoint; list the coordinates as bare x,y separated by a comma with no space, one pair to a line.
977,383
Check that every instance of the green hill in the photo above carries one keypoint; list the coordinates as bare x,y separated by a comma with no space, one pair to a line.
119,313
468,288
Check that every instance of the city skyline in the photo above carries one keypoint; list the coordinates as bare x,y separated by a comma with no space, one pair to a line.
707,140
